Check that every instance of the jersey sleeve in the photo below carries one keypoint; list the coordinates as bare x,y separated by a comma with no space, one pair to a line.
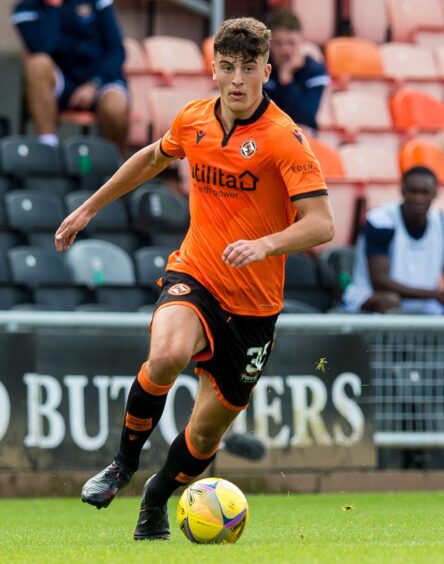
171,143
298,166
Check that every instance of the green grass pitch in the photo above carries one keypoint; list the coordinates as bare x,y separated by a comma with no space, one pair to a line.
358,528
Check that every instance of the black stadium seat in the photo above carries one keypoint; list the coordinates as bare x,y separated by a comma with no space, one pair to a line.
91,159
33,165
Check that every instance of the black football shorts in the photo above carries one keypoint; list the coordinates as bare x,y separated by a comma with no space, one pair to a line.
239,346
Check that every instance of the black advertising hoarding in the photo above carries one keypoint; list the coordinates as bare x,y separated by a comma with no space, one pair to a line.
62,396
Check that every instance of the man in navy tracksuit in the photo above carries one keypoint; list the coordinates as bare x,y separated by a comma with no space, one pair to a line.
74,60
296,81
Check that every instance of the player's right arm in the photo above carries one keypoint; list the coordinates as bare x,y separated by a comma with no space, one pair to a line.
143,165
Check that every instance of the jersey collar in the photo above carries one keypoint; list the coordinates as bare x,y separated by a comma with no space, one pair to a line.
258,112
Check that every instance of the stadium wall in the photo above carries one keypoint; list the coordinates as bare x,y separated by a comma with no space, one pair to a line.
64,379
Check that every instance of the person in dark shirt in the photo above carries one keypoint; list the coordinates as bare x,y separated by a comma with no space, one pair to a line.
297,81
74,58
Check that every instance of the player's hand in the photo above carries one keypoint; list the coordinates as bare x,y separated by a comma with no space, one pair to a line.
70,226
240,253
83,97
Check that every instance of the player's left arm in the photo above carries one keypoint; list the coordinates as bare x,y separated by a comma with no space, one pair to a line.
315,226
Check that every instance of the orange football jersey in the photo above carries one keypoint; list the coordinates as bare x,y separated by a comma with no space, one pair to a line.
243,184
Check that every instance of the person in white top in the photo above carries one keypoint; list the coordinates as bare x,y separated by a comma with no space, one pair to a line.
400,254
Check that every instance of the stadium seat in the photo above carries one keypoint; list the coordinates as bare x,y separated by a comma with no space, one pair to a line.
356,111
345,200
157,210
369,20
164,104
208,53
110,224
305,282
34,165
316,28
31,211
340,260
411,109
353,57
122,298
406,17
329,159
178,60
417,152
376,195
328,132
438,52
370,163
111,217
90,159
140,81
47,276
34,266
150,264
96,263
412,65
12,296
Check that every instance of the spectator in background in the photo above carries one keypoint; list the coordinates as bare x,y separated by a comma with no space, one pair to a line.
400,256
74,61
297,81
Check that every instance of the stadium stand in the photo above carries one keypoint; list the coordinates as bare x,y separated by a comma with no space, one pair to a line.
370,163
418,152
150,264
28,164
165,102
110,272
314,28
160,214
307,281
416,110
339,259
36,214
369,20
407,17
90,159
45,273
353,57
178,61
111,224
329,159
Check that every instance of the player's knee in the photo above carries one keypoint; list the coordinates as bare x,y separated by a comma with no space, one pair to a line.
165,365
205,439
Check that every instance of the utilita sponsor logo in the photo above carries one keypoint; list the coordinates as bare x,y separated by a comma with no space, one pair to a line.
214,176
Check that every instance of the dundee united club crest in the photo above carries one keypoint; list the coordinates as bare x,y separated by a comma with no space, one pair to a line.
179,290
248,149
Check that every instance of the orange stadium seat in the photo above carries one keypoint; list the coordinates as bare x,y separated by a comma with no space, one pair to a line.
406,17
208,52
353,57
369,19
411,109
369,163
329,159
318,19
178,60
417,152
